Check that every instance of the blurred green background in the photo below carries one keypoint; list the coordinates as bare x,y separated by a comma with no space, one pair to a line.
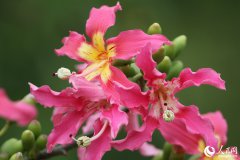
31,29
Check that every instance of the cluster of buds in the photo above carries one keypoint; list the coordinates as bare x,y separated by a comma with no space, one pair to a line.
31,142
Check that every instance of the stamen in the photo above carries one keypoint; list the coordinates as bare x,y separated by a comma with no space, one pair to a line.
168,115
63,73
85,141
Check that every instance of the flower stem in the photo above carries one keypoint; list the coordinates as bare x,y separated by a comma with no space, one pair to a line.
4,128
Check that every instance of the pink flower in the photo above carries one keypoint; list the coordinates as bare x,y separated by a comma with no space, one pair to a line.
164,106
84,102
18,111
99,54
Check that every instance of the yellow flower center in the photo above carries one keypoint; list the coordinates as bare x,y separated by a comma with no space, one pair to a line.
99,57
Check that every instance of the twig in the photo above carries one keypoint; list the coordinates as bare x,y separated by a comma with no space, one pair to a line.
5,128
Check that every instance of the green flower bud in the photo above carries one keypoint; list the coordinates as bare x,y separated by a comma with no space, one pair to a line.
41,142
29,99
12,146
32,154
175,69
165,65
195,157
4,156
28,140
159,55
17,156
120,62
35,127
167,149
179,43
155,28
128,70
158,156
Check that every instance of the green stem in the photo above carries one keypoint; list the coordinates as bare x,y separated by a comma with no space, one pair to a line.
5,128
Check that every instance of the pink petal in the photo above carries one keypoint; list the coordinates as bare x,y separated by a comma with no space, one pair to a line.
100,19
187,78
219,124
70,123
71,45
123,91
137,137
187,129
89,123
19,111
145,62
116,119
97,147
90,90
149,150
129,43
66,98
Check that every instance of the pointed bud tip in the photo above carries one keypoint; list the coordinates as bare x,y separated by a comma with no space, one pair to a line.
155,28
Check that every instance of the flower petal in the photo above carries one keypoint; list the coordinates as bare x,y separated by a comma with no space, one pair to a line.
116,119
219,124
136,137
149,150
97,147
145,62
69,125
100,19
187,78
129,43
121,90
187,129
19,111
71,45
90,90
88,128
49,98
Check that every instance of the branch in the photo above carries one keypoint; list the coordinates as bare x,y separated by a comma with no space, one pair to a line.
57,151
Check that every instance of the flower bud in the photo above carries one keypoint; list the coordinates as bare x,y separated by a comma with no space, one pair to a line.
120,62
63,73
175,69
128,70
155,28
28,140
168,116
179,43
165,65
29,99
4,156
159,55
35,127
41,142
12,146
17,156
167,149
83,141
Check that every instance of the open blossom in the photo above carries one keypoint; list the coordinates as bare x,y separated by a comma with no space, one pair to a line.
18,111
99,53
73,106
164,106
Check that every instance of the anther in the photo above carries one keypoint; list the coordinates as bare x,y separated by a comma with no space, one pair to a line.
63,73
168,115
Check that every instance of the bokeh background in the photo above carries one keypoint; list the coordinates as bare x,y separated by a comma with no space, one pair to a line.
30,30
